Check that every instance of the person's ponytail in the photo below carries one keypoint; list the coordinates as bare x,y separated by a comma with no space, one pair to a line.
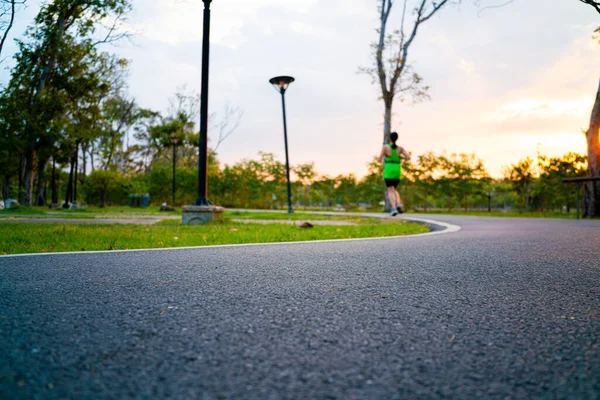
393,138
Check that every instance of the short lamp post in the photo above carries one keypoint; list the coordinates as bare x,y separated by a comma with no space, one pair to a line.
281,83
488,193
174,141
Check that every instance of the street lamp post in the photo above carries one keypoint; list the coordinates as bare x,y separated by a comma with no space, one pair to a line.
202,199
202,211
174,140
281,83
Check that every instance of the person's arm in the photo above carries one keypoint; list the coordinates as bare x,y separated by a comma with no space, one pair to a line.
404,154
382,155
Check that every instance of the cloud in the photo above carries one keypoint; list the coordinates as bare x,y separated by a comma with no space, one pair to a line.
176,22
541,108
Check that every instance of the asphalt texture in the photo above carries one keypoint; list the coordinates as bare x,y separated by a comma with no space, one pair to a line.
503,308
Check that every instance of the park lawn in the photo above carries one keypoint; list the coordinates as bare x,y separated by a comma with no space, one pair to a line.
126,212
90,210
298,216
86,213
16,238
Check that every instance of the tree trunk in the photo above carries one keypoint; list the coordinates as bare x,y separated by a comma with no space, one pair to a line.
54,192
26,197
387,128
40,197
92,149
21,177
387,120
6,187
76,172
84,149
591,192
69,195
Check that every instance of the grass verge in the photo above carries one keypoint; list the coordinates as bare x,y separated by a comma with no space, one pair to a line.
91,211
280,216
42,238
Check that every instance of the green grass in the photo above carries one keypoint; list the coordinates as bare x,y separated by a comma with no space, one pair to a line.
87,212
297,216
117,211
28,238
124,210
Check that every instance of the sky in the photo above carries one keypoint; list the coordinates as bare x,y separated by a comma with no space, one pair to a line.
506,83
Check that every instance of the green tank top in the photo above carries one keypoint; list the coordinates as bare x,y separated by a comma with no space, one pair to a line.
392,169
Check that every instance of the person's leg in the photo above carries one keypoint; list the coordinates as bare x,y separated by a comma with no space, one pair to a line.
392,197
399,203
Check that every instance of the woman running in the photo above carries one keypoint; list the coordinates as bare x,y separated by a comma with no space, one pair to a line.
393,155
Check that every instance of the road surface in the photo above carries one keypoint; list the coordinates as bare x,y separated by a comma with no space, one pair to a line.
503,308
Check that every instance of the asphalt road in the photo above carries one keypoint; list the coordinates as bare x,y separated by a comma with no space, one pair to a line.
503,308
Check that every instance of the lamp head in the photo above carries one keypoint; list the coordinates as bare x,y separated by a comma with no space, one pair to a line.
281,83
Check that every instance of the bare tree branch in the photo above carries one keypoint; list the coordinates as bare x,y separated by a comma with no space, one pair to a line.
393,72
229,122
495,6
111,35
8,7
593,3
386,8
422,17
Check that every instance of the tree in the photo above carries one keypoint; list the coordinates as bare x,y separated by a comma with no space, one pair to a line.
550,191
425,174
591,194
466,174
521,177
394,74
60,26
306,175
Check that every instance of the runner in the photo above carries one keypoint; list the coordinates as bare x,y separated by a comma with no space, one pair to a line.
393,154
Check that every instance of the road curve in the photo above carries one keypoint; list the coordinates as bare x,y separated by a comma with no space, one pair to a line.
503,308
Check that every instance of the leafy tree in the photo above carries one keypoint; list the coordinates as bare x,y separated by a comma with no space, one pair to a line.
424,174
345,189
466,176
521,176
103,187
550,192
369,188
306,175
324,188
61,28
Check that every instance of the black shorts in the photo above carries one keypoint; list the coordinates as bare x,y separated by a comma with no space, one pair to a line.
392,182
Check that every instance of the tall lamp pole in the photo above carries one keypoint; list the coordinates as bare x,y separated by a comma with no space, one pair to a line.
174,140
281,83
202,199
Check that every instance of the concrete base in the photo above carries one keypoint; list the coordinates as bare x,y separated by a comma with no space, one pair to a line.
201,215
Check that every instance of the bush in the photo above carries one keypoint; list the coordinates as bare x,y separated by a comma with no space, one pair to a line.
104,187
